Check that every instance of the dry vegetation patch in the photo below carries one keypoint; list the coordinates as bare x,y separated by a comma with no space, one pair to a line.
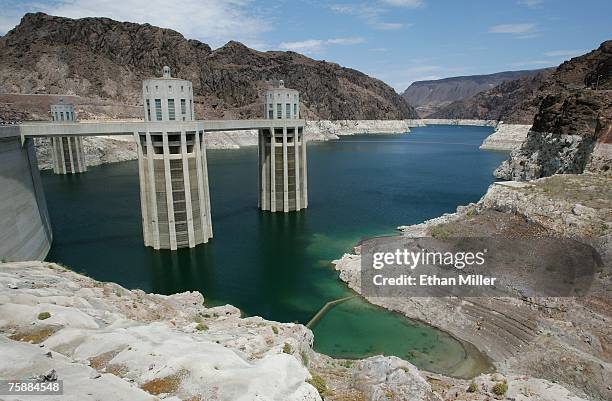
35,335
165,385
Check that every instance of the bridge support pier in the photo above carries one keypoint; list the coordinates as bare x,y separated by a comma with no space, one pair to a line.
68,155
175,200
282,169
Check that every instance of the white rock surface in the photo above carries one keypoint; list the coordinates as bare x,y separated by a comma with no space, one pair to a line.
135,341
24,361
444,121
392,378
506,137
323,130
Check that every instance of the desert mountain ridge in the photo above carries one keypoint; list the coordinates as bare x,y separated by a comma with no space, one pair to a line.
519,101
431,95
101,62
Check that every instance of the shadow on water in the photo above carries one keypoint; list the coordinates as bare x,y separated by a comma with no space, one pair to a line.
277,265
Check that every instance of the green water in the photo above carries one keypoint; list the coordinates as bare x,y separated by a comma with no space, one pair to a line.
346,327
278,265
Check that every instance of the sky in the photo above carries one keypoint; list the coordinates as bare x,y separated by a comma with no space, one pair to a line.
397,41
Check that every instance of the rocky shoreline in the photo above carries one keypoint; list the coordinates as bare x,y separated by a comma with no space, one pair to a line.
525,339
109,149
506,137
527,336
107,342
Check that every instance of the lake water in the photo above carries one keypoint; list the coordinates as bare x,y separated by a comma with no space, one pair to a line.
278,265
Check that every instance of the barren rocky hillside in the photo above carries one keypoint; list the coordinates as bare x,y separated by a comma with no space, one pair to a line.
518,101
429,96
572,129
514,102
101,60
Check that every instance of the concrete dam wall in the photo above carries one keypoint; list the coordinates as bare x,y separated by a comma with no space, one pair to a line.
25,229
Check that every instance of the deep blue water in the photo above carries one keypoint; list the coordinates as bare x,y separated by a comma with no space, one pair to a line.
273,265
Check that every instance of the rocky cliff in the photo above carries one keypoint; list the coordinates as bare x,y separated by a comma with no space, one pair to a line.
572,129
429,96
102,59
512,101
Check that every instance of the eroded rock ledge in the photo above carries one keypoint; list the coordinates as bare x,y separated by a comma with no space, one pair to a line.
563,340
100,337
110,343
506,137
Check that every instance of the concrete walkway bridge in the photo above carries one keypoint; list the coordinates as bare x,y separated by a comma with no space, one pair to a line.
173,173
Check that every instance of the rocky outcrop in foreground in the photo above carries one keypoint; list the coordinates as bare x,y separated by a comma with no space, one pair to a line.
101,59
100,337
106,342
563,340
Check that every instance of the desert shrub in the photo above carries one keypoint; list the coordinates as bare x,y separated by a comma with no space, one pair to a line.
500,388
44,315
319,383
347,364
304,356
287,348
201,327
439,232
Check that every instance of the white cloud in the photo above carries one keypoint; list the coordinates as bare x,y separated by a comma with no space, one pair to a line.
212,21
404,3
345,41
388,26
313,46
563,53
373,16
531,3
514,29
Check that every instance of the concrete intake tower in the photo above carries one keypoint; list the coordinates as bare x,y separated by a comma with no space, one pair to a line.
172,166
282,154
68,155
174,192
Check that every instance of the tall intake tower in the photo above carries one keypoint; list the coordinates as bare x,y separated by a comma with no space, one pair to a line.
175,199
282,154
68,155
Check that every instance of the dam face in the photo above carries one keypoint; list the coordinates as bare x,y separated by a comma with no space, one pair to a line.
25,229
